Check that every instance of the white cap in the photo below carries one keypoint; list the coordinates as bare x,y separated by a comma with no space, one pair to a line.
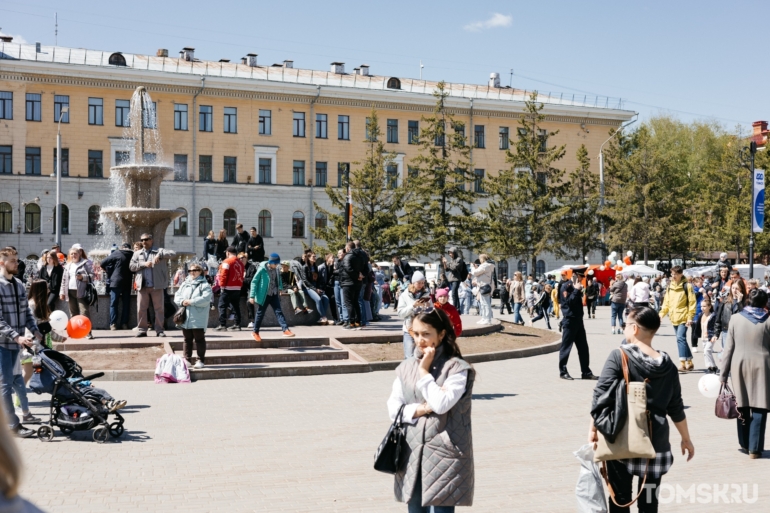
77,246
418,276
723,255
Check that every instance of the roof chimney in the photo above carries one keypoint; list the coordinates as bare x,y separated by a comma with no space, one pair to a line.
338,68
251,59
6,39
288,64
365,70
243,60
188,53
224,60
759,127
494,80
162,52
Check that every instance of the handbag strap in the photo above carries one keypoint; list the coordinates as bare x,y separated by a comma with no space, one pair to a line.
624,361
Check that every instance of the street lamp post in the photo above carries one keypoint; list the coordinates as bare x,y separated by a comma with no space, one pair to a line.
64,110
749,164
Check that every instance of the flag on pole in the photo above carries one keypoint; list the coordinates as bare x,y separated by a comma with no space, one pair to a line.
349,214
759,201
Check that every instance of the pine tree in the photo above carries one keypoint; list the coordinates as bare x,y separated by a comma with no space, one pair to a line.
524,213
377,200
438,210
582,225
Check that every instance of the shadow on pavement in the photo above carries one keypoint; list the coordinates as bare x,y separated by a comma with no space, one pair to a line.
490,397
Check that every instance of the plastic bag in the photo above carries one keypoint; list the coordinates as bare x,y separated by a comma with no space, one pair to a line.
590,489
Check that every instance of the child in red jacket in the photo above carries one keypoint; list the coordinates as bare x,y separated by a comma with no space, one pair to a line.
442,302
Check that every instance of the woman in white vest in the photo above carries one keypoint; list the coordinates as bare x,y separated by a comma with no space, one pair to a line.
435,386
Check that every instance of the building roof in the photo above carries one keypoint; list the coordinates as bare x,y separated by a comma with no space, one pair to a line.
609,107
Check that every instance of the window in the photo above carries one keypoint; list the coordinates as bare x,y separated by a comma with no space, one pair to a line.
542,137
298,129
204,170
231,120
265,171
265,223
6,105
478,182
6,218
32,161
205,222
6,160
298,225
342,169
205,118
343,128
150,116
320,221
414,132
94,226
542,183
180,116
394,83
460,179
95,164
523,268
370,135
478,136
33,107
504,139
122,157
65,220
180,168
459,128
32,218
122,111
58,103
392,131
320,174
502,269
265,124
65,161
522,132
412,172
439,139
229,221
180,224
230,170
95,111
321,126
298,174
117,59
540,269
391,177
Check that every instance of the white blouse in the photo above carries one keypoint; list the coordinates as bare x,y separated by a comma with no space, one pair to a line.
441,399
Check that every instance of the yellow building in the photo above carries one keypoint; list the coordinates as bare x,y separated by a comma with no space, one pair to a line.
251,143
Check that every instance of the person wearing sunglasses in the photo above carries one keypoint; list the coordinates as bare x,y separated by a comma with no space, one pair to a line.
151,267
195,294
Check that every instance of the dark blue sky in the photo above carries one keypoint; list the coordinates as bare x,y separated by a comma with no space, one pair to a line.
694,60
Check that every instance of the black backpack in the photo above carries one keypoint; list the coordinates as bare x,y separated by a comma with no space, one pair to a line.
463,271
91,296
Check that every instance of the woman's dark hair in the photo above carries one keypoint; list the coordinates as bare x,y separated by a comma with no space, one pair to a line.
440,321
38,292
758,298
645,317
53,256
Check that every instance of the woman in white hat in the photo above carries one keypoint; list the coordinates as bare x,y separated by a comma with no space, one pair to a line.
416,290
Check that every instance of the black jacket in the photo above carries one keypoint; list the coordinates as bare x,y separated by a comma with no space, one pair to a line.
251,271
664,392
403,270
571,301
222,246
723,314
53,280
324,277
454,267
240,240
209,247
22,270
353,264
256,254
592,291
117,268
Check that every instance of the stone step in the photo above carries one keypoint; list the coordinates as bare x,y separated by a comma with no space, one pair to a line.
244,341
249,356
269,370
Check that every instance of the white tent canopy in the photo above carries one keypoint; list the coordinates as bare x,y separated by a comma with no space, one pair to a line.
639,270
759,270
705,270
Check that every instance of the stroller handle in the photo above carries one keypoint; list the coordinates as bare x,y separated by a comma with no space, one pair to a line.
89,378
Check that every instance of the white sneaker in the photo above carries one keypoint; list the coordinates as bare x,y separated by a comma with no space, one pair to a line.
251,325
198,365
613,330
695,349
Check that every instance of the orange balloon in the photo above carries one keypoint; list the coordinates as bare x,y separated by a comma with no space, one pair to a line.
607,264
78,326
627,260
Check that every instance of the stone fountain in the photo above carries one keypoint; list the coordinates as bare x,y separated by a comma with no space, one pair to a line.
141,178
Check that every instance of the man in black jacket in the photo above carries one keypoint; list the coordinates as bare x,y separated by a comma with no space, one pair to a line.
241,239
573,331
255,246
120,278
402,269
455,273
351,280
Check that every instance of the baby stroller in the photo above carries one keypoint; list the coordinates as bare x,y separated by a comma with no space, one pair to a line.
73,407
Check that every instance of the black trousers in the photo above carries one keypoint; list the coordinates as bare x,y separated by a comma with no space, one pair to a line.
695,333
505,304
591,304
573,332
622,484
231,298
352,305
199,335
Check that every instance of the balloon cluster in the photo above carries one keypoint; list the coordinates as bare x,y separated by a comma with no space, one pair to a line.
77,327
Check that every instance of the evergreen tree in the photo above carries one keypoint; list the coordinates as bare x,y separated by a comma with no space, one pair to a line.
376,197
438,208
524,209
580,211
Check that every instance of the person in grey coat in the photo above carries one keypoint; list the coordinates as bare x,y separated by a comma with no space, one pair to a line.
195,293
618,298
151,268
434,387
455,273
747,355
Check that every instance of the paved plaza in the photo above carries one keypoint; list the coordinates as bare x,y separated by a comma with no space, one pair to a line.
306,444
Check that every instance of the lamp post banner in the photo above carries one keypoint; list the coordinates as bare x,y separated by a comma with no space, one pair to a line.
759,201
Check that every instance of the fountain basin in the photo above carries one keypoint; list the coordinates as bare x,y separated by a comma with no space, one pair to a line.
142,183
134,221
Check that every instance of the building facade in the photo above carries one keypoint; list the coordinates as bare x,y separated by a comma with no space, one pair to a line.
251,144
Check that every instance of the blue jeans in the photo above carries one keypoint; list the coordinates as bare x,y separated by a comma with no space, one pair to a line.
124,296
275,302
751,430
616,312
21,391
321,302
681,342
517,318
8,359
366,313
454,296
376,301
342,312
408,345
415,505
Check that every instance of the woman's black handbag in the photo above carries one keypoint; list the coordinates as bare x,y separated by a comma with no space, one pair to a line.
391,454
180,315
485,289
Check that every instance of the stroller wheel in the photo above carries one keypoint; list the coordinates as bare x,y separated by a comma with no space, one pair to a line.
45,433
101,434
116,429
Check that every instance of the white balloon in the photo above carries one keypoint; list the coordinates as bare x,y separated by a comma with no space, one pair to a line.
612,255
58,320
709,385
630,253
619,262
601,268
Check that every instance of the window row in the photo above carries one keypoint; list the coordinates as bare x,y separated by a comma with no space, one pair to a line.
230,220
33,218
32,161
